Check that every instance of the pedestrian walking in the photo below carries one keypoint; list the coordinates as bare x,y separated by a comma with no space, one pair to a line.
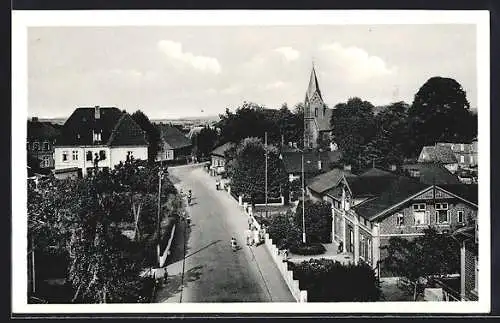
248,237
250,222
256,237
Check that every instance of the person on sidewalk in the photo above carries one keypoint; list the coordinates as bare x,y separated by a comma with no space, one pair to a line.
256,236
250,222
248,237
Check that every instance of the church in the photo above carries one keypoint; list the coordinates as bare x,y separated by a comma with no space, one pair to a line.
317,128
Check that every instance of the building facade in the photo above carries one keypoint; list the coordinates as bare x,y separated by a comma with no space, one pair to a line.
365,221
102,136
317,116
40,142
174,145
218,158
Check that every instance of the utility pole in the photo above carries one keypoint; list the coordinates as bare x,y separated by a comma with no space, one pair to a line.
265,147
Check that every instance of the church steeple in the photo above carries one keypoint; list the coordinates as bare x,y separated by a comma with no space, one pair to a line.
313,86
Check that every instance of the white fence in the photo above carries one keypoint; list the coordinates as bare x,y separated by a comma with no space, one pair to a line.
293,284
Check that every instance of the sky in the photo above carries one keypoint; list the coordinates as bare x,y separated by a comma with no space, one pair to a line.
187,71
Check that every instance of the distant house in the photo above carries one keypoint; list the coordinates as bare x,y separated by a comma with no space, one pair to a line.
315,163
174,145
440,154
371,208
40,143
318,186
469,267
102,136
430,173
218,156
465,153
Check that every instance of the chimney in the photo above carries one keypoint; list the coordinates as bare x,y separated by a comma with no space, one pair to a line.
347,167
34,119
97,111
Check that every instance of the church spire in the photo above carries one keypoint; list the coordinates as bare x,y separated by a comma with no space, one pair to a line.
313,85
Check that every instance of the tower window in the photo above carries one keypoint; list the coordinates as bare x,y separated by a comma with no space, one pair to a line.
316,112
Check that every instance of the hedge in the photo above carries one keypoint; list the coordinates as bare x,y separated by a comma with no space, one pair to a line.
308,249
327,280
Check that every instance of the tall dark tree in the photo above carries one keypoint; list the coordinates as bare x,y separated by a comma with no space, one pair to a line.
353,126
391,136
318,220
204,142
440,112
152,134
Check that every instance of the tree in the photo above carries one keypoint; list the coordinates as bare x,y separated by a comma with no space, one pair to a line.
152,134
353,126
440,112
204,142
318,220
248,170
433,254
283,231
390,139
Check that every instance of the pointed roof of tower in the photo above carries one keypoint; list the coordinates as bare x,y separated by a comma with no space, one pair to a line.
313,85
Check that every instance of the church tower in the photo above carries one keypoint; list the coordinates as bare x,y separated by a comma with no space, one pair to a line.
316,114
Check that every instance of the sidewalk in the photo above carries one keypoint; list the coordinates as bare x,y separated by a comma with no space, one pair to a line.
274,282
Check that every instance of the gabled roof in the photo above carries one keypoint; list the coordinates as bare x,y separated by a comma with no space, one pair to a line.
221,150
376,172
430,173
328,180
172,137
38,130
396,192
117,128
313,86
194,131
468,192
438,154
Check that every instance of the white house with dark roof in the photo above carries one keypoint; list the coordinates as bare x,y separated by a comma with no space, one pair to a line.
102,135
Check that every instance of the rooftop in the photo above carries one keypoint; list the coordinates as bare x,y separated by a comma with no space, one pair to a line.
172,137
328,180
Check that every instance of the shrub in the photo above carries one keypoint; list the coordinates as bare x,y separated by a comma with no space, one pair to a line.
308,249
330,281
282,231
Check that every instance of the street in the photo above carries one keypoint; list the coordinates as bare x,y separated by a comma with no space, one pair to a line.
212,272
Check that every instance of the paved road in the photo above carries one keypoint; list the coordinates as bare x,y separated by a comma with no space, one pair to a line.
212,271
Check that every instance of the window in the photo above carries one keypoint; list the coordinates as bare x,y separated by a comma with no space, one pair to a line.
102,155
362,246
442,213
97,136
420,214
316,112
461,147
46,161
462,159
65,156
471,159
460,216
400,220
89,156
35,146
75,154
46,146
324,111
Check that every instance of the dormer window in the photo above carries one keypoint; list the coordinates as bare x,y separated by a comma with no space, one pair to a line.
97,137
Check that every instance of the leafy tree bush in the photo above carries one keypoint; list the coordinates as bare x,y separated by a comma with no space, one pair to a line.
248,171
152,134
318,220
282,231
330,281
